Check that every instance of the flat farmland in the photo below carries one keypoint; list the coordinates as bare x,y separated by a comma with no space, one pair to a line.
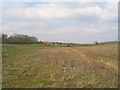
35,66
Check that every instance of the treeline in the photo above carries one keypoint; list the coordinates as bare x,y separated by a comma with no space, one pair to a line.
18,39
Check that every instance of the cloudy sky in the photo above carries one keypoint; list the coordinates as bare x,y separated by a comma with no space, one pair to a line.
80,22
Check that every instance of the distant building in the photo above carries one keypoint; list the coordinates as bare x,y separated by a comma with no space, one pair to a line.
47,42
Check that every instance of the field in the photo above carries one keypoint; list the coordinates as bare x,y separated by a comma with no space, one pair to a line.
36,66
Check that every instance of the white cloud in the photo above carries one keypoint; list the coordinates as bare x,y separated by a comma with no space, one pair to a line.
50,11
60,0
58,11
59,18
110,11
93,30
64,30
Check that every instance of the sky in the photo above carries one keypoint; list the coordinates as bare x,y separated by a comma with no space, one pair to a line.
74,22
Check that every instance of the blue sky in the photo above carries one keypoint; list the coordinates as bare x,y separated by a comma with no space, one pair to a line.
80,22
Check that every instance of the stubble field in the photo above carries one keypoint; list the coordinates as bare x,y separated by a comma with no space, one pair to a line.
34,66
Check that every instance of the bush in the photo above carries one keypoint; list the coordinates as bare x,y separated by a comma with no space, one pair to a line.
68,45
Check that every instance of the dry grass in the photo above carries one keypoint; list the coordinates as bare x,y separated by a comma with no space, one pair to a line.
54,67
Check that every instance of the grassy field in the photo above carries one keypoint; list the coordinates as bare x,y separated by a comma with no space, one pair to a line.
60,45
35,66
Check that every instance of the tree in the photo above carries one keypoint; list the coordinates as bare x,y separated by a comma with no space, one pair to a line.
4,38
20,39
96,43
